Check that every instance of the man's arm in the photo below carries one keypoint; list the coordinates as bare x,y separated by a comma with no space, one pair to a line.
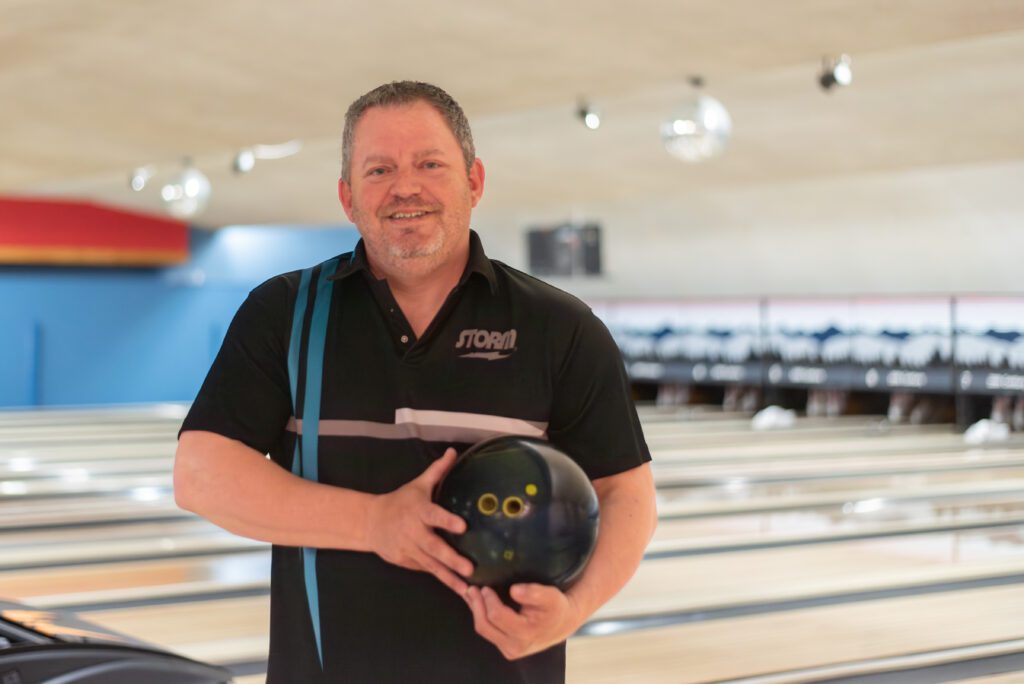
237,488
549,616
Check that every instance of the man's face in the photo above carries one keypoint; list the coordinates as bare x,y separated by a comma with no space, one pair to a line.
408,191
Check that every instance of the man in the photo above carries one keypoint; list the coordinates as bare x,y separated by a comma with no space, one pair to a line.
429,345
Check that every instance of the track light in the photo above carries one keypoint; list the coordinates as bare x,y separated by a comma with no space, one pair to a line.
139,177
246,158
835,71
590,117
244,161
188,194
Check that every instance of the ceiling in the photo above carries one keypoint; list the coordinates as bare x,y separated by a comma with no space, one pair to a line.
91,89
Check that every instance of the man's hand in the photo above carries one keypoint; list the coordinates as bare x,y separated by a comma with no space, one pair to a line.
400,528
546,617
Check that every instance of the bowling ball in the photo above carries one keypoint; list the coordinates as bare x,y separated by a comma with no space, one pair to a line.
531,513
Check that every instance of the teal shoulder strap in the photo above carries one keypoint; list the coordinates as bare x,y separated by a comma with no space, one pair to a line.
304,461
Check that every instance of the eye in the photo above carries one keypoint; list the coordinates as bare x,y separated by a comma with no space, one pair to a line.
377,171
431,165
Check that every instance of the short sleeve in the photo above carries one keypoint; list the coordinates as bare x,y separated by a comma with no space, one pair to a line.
246,394
593,417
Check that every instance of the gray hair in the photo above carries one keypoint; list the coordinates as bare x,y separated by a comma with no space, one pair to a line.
401,93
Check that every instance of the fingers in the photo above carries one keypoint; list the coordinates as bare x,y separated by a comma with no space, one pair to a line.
501,616
445,575
435,549
534,595
436,470
483,625
435,516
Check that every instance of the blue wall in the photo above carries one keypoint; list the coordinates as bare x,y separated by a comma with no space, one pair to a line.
76,336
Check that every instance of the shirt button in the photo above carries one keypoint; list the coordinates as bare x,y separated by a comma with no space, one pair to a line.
405,338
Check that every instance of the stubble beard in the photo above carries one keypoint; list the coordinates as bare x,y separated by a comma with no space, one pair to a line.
419,257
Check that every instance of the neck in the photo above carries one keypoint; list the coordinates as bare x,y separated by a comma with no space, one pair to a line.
421,295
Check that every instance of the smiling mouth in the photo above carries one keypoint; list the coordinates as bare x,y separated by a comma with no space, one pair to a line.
403,216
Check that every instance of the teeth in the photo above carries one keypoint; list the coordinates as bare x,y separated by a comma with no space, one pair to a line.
414,214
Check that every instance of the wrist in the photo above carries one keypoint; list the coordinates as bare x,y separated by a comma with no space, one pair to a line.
367,511
577,610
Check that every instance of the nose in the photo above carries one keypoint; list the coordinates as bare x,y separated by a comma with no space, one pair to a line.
405,184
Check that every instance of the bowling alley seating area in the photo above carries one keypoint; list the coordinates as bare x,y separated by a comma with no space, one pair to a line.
846,549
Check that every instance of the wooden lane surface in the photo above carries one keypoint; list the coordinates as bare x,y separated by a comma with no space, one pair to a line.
78,584
755,449
781,466
881,557
938,496
68,513
99,535
747,646
840,564
113,432
706,582
40,548
212,542
63,416
81,483
236,629
73,470
739,490
666,435
28,458
83,470
749,528
673,585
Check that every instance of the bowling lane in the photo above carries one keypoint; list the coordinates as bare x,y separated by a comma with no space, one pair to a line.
70,512
667,435
701,583
743,489
724,649
168,413
85,469
755,449
76,585
102,534
235,630
862,516
212,541
942,495
28,459
836,465
223,631
82,483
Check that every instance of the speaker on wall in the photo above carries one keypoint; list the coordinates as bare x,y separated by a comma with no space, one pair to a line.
565,250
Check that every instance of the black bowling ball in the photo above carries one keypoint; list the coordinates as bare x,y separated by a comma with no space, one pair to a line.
531,512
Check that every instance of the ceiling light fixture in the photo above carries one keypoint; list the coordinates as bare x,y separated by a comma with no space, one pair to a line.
244,161
246,158
835,71
590,117
139,177
187,195
699,129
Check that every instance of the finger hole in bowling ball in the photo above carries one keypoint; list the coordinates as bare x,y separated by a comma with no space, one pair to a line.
487,504
512,507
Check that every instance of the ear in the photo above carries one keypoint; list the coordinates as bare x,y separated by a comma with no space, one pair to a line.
476,180
345,195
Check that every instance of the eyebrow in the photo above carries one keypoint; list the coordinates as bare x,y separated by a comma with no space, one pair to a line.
380,158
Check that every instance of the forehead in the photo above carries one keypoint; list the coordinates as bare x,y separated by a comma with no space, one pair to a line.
415,125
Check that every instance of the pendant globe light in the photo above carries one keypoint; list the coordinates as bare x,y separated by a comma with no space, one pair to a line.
699,129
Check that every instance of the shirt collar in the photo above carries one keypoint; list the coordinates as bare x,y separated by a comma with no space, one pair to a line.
478,263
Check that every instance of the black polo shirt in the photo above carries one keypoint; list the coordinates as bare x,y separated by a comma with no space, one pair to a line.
507,354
